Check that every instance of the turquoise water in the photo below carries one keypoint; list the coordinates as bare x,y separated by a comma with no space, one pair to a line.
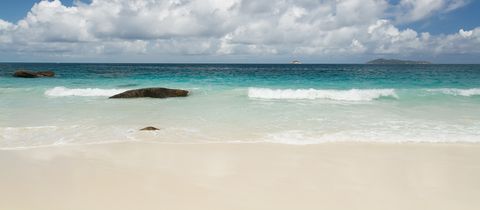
290,104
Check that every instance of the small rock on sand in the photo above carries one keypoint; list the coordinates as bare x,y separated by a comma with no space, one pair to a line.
149,128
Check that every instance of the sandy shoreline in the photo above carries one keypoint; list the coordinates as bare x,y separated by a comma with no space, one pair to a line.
242,176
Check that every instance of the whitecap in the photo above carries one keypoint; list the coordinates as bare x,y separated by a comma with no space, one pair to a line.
330,94
457,91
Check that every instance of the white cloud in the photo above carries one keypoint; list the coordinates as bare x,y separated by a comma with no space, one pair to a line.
453,5
229,27
414,10
461,42
4,25
465,34
386,38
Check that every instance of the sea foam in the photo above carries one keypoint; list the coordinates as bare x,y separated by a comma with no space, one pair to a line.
338,95
63,91
457,92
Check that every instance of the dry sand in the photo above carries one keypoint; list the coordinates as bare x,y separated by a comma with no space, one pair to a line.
242,177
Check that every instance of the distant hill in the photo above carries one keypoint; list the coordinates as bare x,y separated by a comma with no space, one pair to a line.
395,61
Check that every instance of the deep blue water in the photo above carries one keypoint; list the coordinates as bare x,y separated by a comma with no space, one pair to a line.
246,75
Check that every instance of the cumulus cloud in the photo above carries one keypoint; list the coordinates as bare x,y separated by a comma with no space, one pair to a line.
230,27
461,42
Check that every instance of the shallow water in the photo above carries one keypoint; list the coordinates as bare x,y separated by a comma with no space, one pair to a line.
292,104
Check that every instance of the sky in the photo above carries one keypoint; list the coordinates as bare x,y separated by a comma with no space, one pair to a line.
239,31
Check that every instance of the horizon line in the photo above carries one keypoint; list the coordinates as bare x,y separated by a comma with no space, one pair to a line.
246,63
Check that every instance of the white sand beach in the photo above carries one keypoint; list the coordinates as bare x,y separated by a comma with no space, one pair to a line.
242,176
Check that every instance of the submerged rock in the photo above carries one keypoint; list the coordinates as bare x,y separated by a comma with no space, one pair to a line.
127,85
395,62
152,93
31,74
149,128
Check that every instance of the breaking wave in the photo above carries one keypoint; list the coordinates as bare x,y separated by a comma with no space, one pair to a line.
63,91
457,92
338,95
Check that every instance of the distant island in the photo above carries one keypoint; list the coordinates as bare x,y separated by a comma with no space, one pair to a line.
296,62
396,61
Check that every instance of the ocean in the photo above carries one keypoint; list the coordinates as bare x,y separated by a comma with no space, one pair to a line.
240,103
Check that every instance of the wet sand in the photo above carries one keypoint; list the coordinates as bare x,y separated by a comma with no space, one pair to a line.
241,176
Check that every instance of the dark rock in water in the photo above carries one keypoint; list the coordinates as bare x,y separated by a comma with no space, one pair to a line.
46,74
31,74
152,93
149,128
25,74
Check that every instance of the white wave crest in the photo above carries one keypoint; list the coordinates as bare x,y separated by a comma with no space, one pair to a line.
339,95
63,91
457,92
